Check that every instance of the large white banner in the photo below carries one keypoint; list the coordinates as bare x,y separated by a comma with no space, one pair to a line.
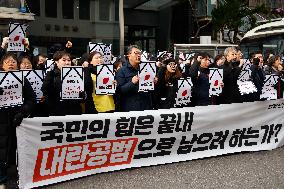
55,149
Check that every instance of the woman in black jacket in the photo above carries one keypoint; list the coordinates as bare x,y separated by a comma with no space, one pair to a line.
167,85
11,117
51,89
199,73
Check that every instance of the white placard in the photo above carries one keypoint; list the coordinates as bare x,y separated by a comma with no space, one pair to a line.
104,49
144,56
247,64
12,84
245,75
246,87
72,82
49,65
268,91
215,80
147,74
183,96
35,77
17,33
105,80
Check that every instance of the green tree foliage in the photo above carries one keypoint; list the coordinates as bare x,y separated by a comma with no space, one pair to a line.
229,15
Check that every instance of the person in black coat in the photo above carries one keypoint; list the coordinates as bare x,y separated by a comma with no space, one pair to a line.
258,77
167,85
11,117
199,73
51,89
231,72
275,67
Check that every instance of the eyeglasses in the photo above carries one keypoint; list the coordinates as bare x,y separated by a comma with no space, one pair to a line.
137,52
7,61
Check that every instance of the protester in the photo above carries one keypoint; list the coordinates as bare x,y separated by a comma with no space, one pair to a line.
25,63
96,102
51,88
275,67
199,73
257,75
231,72
11,117
39,61
128,80
118,64
218,61
167,85
28,49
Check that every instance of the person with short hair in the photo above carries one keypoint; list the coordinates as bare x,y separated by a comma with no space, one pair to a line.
51,88
199,74
128,84
231,72
257,75
25,63
11,117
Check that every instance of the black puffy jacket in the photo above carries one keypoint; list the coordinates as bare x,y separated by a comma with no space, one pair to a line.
8,129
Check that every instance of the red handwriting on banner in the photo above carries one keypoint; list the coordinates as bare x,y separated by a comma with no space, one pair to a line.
68,159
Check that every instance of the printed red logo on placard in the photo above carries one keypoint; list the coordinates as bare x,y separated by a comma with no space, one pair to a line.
17,38
216,83
184,93
147,77
105,80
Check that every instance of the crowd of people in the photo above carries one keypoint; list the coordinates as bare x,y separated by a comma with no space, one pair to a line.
127,96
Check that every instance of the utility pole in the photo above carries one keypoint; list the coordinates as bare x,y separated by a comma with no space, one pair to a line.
121,27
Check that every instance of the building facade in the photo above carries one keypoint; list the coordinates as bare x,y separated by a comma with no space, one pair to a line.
269,3
151,24
79,21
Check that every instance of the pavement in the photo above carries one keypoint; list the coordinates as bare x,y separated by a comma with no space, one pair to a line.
263,169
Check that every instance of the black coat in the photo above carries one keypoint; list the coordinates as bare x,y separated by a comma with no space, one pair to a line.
51,89
7,127
201,86
166,90
258,77
231,93
130,98
89,87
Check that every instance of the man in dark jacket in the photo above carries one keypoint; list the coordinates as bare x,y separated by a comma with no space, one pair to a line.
128,84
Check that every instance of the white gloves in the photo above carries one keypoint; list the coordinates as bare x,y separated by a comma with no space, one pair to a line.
5,42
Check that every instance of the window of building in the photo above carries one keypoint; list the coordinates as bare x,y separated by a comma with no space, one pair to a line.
33,6
51,8
68,9
104,10
84,9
